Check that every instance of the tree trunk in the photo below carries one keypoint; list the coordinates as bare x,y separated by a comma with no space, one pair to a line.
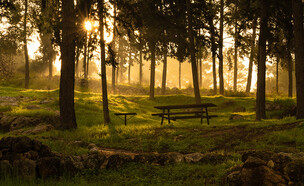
297,9
192,54
85,57
290,78
152,73
180,75
260,96
200,73
140,67
213,50
164,78
130,64
114,49
235,57
277,76
249,78
106,115
67,78
221,73
27,63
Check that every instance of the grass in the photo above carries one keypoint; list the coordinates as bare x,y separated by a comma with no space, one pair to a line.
145,134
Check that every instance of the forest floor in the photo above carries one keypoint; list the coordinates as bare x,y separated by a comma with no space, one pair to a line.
278,133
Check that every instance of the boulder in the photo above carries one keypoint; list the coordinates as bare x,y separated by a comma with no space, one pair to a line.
22,144
193,157
49,167
25,169
39,129
117,160
94,160
261,175
22,122
5,122
295,170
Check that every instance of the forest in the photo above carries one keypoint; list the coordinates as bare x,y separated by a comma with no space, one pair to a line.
151,92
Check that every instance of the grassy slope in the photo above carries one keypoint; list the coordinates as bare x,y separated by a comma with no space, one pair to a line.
144,133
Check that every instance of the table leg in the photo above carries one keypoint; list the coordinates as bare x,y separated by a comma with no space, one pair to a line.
162,121
125,119
207,116
169,115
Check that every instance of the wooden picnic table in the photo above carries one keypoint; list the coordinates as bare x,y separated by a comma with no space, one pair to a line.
197,112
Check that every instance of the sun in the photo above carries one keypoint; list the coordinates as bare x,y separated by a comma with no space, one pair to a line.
88,25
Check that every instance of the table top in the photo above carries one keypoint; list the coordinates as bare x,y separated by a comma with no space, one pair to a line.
125,113
185,106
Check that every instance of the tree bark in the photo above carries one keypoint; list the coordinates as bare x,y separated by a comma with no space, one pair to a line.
260,96
180,75
235,57
290,78
140,67
213,50
152,73
277,76
297,9
249,78
85,76
200,73
67,78
192,54
221,73
164,78
130,64
106,115
27,63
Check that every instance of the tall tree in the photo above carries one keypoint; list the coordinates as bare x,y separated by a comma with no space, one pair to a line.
26,57
297,9
192,54
220,56
252,54
67,78
105,104
260,96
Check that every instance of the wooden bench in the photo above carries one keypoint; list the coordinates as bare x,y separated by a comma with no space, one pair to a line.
125,114
188,112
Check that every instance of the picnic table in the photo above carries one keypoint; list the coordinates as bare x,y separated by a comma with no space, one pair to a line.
188,111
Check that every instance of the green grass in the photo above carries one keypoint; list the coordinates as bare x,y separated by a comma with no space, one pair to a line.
145,134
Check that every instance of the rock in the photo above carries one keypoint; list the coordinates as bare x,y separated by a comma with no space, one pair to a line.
270,164
117,160
175,157
253,162
263,155
80,144
261,175
234,178
49,167
213,158
92,145
193,158
21,122
239,109
5,168
236,117
25,169
32,107
295,171
22,144
94,160
73,165
5,122
39,129
32,155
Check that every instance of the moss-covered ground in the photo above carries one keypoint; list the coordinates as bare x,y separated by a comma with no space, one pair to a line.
145,134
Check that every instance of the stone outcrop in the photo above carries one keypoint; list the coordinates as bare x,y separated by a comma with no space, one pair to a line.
267,168
27,158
